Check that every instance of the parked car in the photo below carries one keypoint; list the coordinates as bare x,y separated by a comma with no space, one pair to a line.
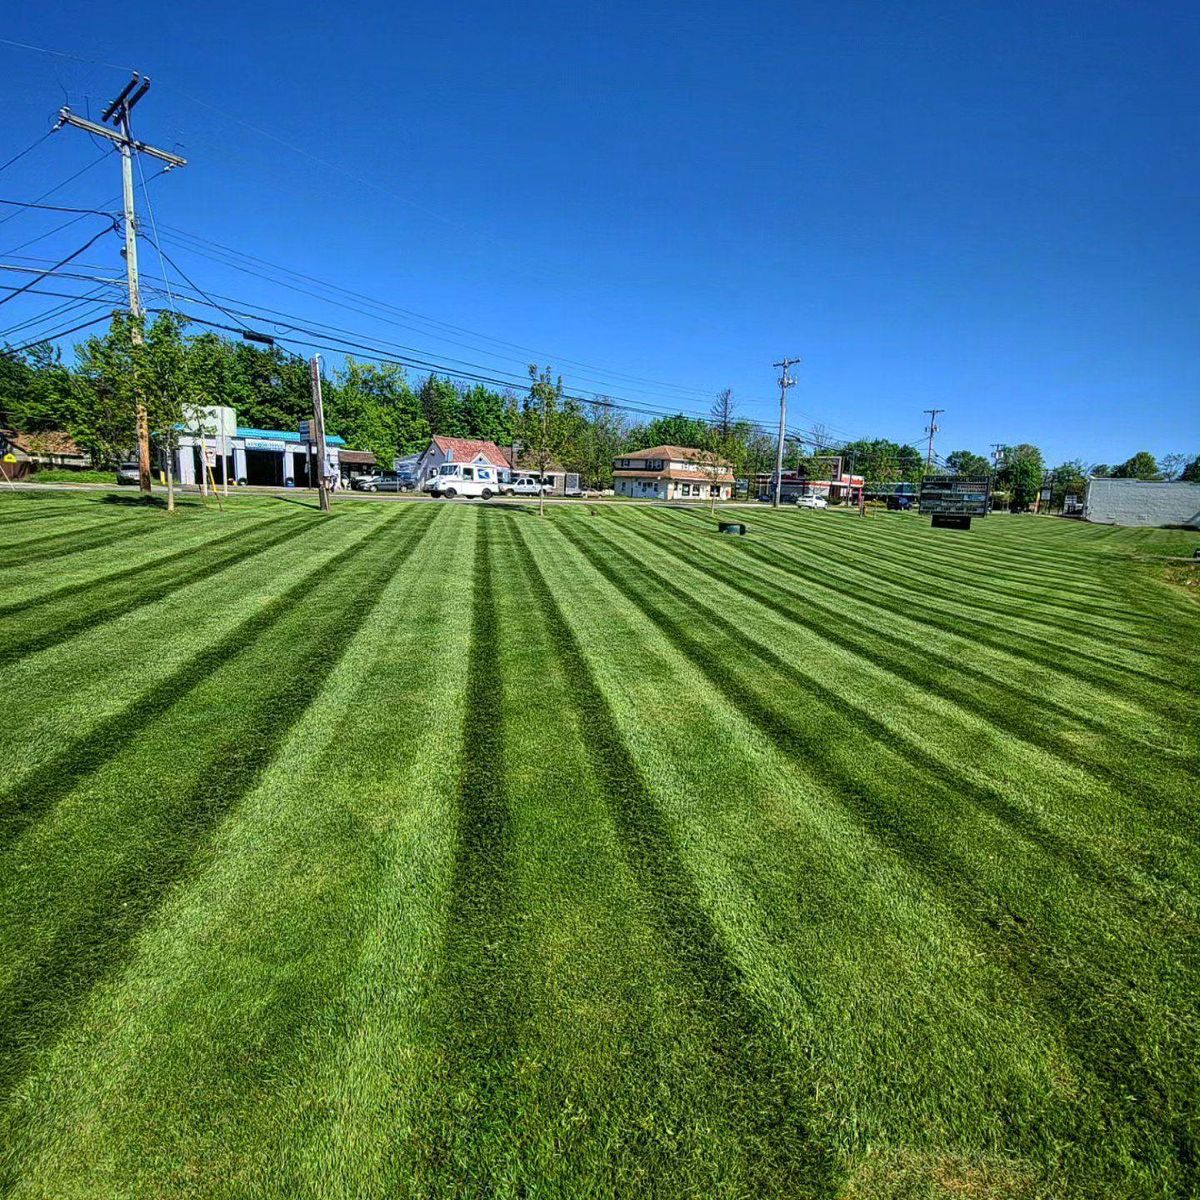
811,502
129,472
388,481
465,479
523,485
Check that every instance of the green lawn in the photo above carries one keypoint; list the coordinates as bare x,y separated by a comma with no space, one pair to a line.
436,850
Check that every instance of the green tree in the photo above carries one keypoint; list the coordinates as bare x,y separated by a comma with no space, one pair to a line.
679,430
442,406
166,386
967,462
1021,472
542,429
1141,466
35,389
1192,471
487,414
103,394
1068,478
373,408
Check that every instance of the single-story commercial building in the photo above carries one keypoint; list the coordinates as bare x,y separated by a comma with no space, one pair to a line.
1142,502
672,473
793,484
258,457
444,450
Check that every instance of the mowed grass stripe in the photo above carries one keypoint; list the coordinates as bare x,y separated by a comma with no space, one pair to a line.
475,1010
88,680
102,898
1128,762
1112,1026
124,592
937,774
1101,673
299,945
1070,643
190,534
783,1154
25,801
123,527
970,563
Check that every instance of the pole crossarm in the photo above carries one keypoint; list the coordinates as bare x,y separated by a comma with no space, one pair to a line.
67,117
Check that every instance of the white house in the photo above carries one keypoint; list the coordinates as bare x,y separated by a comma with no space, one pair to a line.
672,473
459,450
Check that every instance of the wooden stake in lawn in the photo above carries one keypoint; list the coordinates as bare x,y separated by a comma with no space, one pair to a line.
319,429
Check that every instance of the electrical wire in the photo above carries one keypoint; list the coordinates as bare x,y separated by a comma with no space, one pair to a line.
410,313
33,146
59,186
59,334
74,254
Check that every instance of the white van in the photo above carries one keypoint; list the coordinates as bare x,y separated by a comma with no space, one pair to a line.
465,479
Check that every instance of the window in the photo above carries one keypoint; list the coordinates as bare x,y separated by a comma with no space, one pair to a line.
654,464
623,464
715,490
685,489
468,472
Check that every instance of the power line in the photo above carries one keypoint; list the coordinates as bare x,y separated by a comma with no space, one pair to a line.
698,393
58,186
32,146
75,254
91,62
57,208
60,334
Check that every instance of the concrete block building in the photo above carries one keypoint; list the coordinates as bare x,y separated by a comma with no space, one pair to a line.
1142,502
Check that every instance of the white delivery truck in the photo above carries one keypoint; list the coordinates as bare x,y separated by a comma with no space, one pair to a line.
465,479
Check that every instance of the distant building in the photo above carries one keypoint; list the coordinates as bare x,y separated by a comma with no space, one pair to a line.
51,449
1142,502
672,473
793,484
459,450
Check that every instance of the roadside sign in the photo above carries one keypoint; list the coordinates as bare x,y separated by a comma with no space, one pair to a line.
10,458
306,430
952,500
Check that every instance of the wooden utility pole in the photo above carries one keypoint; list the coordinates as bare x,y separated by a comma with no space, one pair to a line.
118,114
785,382
318,430
931,429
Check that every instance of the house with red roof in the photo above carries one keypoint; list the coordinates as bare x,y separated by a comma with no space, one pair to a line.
459,450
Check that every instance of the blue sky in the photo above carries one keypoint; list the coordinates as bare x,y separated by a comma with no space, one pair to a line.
991,209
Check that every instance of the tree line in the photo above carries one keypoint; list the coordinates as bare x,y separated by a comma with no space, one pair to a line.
377,407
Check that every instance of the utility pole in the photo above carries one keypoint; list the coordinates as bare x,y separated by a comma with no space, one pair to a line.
785,382
118,114
319,430
931,429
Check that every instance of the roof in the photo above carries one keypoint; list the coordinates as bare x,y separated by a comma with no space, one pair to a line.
51,441
284,435
677,452
719,476
360,457
467,449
